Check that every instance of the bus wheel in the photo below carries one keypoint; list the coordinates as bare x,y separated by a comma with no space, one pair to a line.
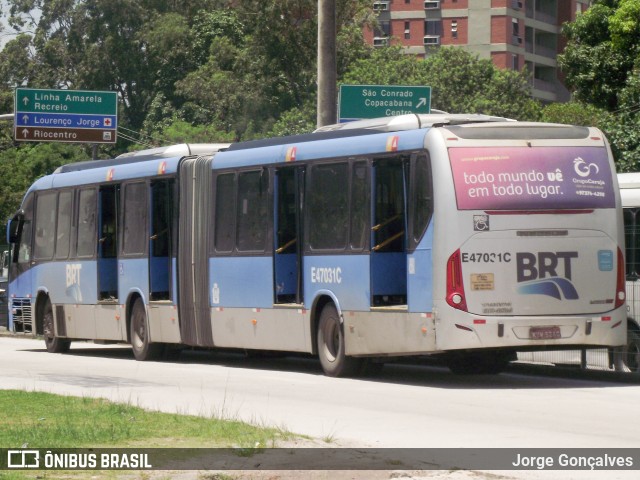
331,348
54,344
143,349
477,363
631,356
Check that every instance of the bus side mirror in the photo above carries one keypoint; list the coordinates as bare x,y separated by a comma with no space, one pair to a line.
14,229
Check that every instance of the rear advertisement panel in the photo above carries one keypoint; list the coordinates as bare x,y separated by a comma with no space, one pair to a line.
532,178
506,273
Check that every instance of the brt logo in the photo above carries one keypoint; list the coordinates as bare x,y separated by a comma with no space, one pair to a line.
546,273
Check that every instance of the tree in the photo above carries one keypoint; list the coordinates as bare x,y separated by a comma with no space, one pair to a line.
602,52
20,167
602,67
460,82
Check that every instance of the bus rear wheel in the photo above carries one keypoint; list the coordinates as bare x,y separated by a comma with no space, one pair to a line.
54,344
631,357
331,345
143,349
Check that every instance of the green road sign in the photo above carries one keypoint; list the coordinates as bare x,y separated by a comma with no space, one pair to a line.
372,101
47,115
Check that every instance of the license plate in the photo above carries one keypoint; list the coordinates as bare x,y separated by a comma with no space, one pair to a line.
544,333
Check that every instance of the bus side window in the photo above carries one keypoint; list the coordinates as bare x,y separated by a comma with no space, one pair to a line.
253,215
24,250
389,219
86,246
63,228
360,206
46,204
328,206
224,235
135,233
421,198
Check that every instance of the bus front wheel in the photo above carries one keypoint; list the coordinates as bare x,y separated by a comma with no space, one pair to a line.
142,347
331,345
54,344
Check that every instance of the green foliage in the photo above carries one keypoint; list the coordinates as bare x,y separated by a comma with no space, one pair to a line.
20,166
43,420
623,132
296,121
182,132
574,113
601,51
460,82
624,26
622,129
602,66
385,66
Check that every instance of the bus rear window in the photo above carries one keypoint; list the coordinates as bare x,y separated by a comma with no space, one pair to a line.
531,178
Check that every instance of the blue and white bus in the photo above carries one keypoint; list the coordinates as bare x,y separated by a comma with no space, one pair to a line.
467,236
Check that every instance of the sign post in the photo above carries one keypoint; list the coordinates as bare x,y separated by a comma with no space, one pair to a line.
372,101
77,116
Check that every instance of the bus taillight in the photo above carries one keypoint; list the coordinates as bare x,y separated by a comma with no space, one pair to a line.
620,284
455,286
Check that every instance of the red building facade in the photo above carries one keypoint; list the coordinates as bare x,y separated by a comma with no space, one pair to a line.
514,34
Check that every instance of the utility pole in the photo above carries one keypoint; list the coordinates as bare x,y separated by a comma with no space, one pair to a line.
327,64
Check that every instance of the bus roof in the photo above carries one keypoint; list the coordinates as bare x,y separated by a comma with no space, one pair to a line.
629,180
413,121
180,150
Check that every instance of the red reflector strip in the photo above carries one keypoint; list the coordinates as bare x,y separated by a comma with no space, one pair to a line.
616,324
606,319
479,321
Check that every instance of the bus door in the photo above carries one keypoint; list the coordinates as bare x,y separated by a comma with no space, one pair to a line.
161,239
287,257
107,243
388,233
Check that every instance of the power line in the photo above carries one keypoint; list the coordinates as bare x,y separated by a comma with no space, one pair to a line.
134,140
142,135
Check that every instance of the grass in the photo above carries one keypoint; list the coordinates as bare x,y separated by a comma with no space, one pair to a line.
43,420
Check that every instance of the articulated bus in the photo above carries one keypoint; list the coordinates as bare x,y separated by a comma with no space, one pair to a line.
630,194
466,236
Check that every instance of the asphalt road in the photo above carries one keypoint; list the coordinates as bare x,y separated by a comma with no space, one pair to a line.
404,406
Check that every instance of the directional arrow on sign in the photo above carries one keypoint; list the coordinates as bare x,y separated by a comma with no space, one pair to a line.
54,115
423,101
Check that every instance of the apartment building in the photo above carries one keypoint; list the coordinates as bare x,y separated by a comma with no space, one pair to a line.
514,34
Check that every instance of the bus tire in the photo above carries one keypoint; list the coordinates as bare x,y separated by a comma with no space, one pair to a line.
54,344
331,345
142,347
631,355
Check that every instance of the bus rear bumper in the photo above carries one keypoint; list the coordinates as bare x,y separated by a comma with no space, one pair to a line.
527,333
